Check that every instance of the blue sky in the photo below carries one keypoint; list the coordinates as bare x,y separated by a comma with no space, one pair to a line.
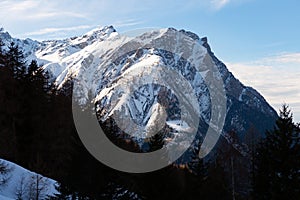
259,40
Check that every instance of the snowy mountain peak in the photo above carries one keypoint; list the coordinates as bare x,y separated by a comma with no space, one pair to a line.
100,60
97,34
5,36
105,30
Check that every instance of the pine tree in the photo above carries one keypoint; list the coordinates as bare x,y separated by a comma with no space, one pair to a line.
2,54
38,77
278,159
10,98
15,61
32,68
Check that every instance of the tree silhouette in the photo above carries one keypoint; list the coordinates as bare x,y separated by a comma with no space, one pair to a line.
277,174
15,61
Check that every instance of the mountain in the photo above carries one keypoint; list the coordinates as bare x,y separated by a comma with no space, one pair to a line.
105,61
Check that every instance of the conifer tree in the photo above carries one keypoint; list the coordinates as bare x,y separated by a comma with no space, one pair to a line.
10,98
2,56
15,61
32,68
278,159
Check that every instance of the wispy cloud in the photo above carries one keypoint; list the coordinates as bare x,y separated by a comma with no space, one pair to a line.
276,77
53,14
125,23
56,30
49,15
61,31
20,5
15,10
284,58
218,4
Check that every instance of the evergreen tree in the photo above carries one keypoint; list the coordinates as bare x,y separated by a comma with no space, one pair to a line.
10,101
2,54
32,69
15,61
38,77
277,173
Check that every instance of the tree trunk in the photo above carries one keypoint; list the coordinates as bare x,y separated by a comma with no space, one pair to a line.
232,180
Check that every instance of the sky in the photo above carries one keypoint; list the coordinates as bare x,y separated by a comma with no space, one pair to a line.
258,40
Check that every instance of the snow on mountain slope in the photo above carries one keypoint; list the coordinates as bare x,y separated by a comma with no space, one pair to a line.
20,180
5,198
100,61
51,52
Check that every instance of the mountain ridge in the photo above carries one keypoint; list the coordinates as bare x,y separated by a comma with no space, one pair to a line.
67,58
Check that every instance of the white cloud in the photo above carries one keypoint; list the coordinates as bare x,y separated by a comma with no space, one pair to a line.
218,4
19,16
21,10
276,78
20,5
125,23
45,31
34,10
285,58
53,14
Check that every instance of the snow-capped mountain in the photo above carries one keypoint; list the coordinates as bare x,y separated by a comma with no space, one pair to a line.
105,61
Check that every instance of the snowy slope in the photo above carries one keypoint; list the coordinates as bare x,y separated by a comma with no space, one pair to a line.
20,179
51,52
5,198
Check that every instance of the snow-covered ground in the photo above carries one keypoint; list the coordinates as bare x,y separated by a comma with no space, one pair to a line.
5,198
24,182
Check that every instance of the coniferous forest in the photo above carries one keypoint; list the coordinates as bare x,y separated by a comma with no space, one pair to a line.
38,133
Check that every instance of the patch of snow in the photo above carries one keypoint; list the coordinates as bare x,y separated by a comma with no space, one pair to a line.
5,198
242,94
178,125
